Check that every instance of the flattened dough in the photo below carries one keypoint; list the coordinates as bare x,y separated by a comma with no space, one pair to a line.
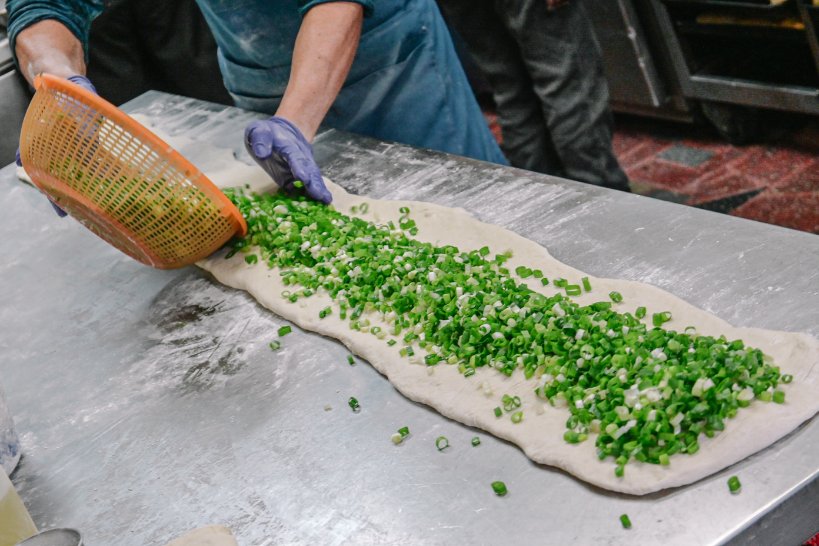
540,434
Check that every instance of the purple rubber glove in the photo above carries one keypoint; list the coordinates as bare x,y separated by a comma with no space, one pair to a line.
81,81
282,151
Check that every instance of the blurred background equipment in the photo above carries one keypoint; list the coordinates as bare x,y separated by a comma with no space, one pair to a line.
724,59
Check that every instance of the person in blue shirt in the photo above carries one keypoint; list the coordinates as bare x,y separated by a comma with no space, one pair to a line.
386,69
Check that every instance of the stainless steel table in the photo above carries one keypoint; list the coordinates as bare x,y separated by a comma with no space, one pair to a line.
149,403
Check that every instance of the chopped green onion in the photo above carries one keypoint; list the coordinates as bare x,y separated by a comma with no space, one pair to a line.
787,378
251,259
523,271
391,342
544,281
572,289
517,417
779,397
396,438
586,284
404,210
275,345
403,431
498,412
298,184
324,312
733,485
441,443
646,393
660,318
625,521
615,296
354,405
284,330
560,282
363,207
350,360
499,488
476,441
572,437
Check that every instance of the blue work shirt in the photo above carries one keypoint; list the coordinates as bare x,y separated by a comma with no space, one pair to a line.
406,83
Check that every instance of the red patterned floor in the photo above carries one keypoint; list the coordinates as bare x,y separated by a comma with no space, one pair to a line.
776,181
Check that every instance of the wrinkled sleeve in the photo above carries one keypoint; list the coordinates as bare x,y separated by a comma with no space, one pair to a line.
307,5
76,15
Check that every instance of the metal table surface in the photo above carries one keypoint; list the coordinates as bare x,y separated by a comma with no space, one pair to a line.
148,401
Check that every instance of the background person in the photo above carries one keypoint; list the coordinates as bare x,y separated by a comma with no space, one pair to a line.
543,63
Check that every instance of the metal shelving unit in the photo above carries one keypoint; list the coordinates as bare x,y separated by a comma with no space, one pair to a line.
760,55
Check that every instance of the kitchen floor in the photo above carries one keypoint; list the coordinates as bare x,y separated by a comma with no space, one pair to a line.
774,181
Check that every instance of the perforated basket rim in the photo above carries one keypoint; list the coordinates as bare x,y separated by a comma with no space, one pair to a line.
162,148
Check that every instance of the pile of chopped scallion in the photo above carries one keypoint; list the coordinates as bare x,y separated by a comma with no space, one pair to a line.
647,392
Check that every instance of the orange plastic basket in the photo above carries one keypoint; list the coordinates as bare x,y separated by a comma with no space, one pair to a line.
120,180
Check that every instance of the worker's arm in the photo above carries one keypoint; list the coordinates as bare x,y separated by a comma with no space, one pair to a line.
51,35
48,46
324,51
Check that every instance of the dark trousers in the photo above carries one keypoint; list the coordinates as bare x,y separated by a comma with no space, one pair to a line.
546,75
137,45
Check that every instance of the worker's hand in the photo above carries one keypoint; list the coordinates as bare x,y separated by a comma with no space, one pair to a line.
552,5
81,81
282,151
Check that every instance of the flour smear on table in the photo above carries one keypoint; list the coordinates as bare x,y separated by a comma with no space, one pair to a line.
472,400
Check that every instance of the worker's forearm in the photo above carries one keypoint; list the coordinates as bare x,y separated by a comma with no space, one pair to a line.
48,46
322,57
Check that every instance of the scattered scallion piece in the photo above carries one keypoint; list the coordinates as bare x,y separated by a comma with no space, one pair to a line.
658,319
403,431
733,485
476,441
786,378
625,521
640,312
615,296
523,271
298,184
363,207
284,330
396,438
325,312
517,417
275,345
498,412
441,443
354,405
251,259
572,289
350,360
779,397
586,284
499,488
